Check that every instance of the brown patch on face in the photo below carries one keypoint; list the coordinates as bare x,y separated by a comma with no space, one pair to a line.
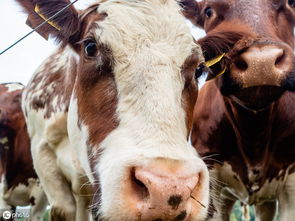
190,91
89,19
97,95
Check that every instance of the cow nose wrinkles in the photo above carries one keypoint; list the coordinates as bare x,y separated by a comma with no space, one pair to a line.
161,195
262,65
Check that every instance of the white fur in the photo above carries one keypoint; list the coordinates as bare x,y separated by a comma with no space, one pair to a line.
79,138
14,87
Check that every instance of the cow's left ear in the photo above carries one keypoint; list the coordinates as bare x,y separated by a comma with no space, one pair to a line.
64,27
192,11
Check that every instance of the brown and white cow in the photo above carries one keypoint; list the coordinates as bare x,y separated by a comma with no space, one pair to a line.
113,105
19,185
244,121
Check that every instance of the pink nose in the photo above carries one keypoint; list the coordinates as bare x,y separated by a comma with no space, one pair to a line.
159,194
263,65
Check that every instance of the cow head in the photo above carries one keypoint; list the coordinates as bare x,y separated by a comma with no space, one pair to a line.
10,107
11,119
258,39
131,106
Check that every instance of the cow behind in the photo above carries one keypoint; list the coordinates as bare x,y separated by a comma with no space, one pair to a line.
113,105
19,185
244,120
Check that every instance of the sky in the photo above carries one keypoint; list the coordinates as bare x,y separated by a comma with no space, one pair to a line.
19,63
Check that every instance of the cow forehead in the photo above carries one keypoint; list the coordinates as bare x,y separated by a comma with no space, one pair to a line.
133,25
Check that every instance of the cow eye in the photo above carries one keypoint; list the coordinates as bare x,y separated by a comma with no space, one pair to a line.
291,3
90,48
208,12
201,70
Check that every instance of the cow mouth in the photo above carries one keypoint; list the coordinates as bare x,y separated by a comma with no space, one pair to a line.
258,97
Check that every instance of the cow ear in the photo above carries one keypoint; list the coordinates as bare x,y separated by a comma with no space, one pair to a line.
64,27
192,11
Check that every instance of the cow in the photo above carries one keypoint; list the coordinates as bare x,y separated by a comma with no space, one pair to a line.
110,112
244,119
19,184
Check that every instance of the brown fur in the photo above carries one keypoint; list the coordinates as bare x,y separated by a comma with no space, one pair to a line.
16,160
254,135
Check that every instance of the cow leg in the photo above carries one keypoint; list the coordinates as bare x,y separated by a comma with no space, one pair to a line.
83,196
266,211
38,201
287,200
3,204
54,184
83,212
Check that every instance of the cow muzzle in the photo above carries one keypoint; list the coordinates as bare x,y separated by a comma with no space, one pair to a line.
160,193
263,65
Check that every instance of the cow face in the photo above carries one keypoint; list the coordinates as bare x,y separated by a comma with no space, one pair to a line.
10,108
258,37
131,107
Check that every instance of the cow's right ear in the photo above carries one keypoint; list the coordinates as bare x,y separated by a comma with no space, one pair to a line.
192,10
64,27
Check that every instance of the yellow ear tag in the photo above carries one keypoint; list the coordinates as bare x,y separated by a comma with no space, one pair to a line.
221,73
53,24
214,60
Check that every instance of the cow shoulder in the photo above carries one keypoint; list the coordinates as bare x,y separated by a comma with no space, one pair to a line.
47,96
51,86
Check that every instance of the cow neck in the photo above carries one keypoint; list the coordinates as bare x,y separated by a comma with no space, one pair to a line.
253,130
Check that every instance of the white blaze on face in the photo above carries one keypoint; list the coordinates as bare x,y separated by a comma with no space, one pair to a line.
150,42
14,87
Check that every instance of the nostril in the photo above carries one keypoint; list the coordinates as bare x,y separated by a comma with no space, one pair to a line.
139,188
280,59
241,64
